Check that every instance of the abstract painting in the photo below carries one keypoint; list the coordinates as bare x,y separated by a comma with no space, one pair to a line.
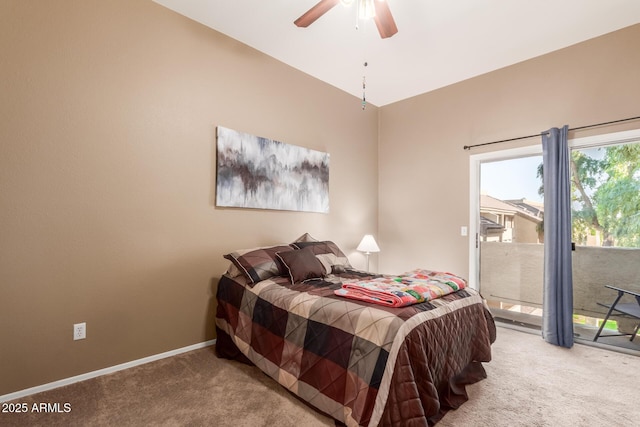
256,172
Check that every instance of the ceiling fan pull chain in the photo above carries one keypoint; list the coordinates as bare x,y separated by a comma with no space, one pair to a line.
364,86
364,99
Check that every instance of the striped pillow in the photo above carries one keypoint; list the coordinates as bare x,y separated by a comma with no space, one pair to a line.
259,263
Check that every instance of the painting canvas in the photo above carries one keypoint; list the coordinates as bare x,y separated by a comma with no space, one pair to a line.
256,172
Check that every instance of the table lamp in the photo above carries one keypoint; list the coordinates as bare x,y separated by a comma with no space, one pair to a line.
367,245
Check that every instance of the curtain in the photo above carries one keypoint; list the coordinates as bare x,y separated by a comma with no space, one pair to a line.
557,321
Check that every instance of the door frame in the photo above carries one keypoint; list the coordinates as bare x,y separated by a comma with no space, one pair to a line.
474,200
475,160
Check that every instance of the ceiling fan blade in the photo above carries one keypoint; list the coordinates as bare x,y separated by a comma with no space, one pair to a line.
384,20
310,16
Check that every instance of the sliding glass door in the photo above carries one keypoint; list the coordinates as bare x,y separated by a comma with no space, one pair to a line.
507,230
510,235
606,231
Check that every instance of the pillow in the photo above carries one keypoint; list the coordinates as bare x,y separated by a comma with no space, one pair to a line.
259,263
233,271
306,237
302,264
327,252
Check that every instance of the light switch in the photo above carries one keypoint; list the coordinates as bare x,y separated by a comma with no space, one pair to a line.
463,230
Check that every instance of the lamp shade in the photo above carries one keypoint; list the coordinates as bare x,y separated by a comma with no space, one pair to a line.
368,244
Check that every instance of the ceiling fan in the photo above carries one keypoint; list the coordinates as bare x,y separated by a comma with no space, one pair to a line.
376,9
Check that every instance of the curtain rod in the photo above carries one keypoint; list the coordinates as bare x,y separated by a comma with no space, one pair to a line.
469,147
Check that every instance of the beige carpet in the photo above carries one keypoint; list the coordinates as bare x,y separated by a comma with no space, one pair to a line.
191,389
530,383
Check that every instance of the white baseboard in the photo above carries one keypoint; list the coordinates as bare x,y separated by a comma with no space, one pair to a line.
100,372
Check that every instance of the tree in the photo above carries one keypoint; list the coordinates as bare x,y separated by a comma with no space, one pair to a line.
586,173
617,199
605,189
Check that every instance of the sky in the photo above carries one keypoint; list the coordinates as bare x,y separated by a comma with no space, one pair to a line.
511,179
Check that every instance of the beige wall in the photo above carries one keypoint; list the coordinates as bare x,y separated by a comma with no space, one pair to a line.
424,171
107,171
107,178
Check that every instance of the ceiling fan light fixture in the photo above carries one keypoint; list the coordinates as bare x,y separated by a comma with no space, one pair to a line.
366,9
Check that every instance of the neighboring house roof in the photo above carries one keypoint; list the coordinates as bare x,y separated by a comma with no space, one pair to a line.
487,224
534,208
528,210
491,203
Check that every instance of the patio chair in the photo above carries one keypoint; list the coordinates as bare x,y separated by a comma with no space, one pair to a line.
628,309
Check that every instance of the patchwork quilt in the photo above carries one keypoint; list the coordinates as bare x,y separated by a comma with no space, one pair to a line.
398,291
360,363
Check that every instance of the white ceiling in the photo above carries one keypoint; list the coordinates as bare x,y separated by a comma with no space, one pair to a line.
439,42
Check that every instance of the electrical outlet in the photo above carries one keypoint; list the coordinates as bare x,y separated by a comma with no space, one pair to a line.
79,331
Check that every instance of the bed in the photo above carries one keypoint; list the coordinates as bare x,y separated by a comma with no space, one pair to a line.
362,363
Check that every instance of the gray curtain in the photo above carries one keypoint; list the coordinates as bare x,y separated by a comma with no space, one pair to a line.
557,321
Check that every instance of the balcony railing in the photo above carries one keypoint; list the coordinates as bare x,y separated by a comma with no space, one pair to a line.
512,274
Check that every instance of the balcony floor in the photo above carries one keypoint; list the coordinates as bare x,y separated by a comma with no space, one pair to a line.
583,334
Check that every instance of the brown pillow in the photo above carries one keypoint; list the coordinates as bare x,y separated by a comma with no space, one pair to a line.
301,264
258,263
306,237
327,252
